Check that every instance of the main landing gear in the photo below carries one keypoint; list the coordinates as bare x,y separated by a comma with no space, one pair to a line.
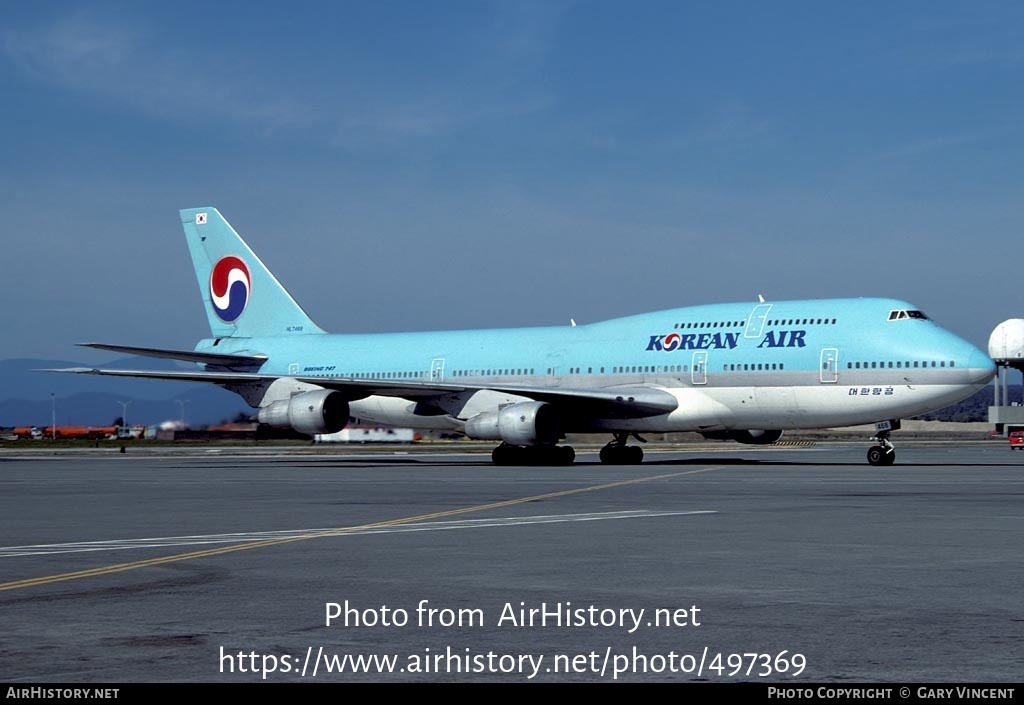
618,453
507,454
615,453
884,453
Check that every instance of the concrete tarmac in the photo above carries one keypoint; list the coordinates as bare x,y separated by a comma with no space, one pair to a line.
789,565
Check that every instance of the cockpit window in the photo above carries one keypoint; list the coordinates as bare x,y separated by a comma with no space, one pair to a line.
896,315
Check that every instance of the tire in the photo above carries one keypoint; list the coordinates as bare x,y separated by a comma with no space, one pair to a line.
503,455
876,455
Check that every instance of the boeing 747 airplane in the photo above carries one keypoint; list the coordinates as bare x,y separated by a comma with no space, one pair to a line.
740,371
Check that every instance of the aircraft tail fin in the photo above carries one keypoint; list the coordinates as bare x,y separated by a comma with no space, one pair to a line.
242,297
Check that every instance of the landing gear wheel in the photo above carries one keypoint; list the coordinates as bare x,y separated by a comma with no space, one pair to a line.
880,455
884,453
618,453
507,454
504,455
567,455
550,455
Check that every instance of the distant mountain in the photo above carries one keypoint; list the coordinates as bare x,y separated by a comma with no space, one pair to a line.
25,395
974,407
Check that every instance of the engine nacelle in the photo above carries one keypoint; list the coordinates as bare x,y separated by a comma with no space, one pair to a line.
528,423
320,411
754,437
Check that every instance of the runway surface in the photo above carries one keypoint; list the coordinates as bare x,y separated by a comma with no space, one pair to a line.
782,565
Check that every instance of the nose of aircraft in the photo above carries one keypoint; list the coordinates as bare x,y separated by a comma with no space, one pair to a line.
981,366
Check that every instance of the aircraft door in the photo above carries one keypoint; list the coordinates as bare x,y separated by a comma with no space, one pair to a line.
553,368
699,368
437,369
758,317
829,365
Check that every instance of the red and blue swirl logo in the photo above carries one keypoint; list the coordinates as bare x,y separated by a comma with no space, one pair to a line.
229,288
671,342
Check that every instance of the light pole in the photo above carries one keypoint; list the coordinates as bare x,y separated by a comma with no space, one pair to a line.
53,417
182,402
124,413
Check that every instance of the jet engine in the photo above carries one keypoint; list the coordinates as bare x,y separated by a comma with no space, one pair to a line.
320,411
527,423
754,437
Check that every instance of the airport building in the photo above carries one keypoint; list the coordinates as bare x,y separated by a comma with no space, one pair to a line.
1006,348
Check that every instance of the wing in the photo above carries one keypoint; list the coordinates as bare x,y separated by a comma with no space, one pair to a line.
611,402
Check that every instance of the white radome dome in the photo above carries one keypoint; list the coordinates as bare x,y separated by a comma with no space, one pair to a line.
1007,340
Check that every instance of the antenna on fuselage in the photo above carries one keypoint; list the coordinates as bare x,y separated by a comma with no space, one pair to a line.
760,299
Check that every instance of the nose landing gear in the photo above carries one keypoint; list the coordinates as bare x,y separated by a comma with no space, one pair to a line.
884,453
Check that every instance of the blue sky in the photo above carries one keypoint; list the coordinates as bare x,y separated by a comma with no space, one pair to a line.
418,166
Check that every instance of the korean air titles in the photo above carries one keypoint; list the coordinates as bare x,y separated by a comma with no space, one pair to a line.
724,341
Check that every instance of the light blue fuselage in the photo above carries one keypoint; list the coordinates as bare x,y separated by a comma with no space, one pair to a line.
790,364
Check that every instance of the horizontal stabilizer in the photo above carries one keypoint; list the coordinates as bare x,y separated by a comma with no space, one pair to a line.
218,359
196,376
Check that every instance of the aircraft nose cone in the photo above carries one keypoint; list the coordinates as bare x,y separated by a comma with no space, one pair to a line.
981,366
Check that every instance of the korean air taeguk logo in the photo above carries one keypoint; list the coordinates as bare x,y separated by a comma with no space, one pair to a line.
229,288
